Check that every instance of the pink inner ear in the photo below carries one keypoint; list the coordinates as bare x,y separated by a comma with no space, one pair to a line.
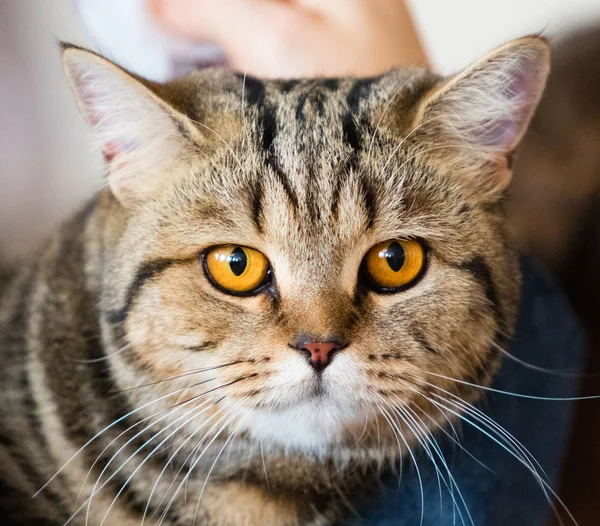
91,98
500,134
110,151
519,96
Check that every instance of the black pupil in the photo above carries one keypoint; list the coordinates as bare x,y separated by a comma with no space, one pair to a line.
238,261
395,256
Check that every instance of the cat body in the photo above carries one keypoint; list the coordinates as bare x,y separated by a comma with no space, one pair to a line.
138,386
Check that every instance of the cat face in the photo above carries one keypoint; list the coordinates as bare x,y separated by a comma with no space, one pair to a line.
298,262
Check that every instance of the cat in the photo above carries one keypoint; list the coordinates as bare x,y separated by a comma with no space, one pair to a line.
271,299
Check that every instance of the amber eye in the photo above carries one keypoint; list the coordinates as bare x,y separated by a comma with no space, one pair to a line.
236,269
395,264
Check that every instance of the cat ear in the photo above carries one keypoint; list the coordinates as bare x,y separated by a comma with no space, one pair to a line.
142,137
484,111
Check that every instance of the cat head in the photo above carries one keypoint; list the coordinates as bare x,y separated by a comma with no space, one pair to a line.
303,260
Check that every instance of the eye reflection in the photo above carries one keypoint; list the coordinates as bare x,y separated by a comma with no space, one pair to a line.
394,255
395,264
238,261
235,269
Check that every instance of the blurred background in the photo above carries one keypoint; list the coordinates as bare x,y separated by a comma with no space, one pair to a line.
48,167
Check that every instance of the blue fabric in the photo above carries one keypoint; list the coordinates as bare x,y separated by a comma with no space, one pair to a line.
548,335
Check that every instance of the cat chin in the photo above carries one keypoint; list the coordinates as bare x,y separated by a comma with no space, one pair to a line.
309,428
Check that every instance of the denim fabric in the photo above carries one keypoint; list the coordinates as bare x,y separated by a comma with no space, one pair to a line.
548,335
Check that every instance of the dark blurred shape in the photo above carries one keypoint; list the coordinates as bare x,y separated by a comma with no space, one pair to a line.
557,172
555,211
5,275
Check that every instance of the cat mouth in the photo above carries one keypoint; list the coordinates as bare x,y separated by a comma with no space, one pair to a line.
318,389
311,393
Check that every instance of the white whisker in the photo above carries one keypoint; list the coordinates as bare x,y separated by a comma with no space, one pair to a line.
105,357
425,439
101,432
419,424
195,414
262,456
384,112
517,395
394,425
101,454
231,435
183,464
533,366
96,489
403,140
453,437
192,467
524,460
220,137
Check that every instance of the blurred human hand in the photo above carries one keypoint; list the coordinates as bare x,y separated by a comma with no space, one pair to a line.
299,38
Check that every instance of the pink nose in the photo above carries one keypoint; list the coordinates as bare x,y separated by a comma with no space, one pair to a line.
320,353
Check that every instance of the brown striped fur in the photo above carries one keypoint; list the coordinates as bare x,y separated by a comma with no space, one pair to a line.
115,324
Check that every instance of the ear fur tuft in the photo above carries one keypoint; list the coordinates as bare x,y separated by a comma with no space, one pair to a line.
487,107
139,133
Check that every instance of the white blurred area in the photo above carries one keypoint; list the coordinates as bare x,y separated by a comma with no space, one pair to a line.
455,32
47,166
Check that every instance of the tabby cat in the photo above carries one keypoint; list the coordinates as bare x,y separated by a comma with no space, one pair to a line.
271,299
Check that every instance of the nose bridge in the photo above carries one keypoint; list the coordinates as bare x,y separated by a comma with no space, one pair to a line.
314,299
325,314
